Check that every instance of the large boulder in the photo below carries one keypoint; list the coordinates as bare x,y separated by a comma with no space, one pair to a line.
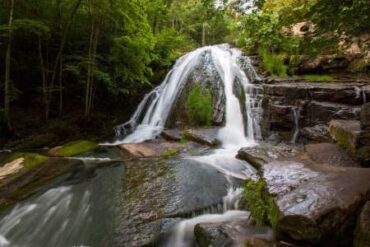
362,234
318,204
205,136
206,75
158,193
346,133
317,133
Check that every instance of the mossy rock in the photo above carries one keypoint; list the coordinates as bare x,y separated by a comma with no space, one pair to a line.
31,160
74,148
363,155
170,153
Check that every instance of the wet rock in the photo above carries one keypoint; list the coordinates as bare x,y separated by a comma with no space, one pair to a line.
346,133
318,203
365,117
323,112
329,154
362,234
264,153
172,134
152,149
317,133
233,233
157,192
203,136
26,182
341,92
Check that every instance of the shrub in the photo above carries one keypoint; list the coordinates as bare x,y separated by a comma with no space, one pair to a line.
260,203
273,63
199,107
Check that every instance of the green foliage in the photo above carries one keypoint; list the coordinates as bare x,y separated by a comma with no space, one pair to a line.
170,153
318,77
199,107
273,63
260,203
75,148
31,160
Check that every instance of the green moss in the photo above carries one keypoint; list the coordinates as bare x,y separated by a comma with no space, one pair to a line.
199,107
31,160
183,138
170,153
318,77
260,203
75,148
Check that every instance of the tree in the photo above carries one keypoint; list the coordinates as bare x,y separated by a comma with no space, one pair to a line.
7,67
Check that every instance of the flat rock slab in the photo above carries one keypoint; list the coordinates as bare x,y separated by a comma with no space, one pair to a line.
203,136
152,149
172,134
232,233
318,203
329,154
259,155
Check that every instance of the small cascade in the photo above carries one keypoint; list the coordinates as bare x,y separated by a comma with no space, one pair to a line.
296,116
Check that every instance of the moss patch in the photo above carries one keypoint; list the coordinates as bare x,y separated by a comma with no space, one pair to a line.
170,153
75,148
31,160
199,107
260,203
318,77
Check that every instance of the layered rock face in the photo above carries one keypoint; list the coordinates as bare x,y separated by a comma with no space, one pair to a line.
307,108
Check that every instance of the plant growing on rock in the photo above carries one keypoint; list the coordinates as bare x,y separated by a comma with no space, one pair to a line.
199,107
260,203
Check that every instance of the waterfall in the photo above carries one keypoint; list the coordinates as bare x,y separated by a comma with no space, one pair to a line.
151,115
295,111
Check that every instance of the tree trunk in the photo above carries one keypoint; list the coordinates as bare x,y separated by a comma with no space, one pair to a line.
43,74
204,34
59,54
7,69
91,81
61,87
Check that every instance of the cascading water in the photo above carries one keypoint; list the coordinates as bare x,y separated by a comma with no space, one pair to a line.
295,111
151,115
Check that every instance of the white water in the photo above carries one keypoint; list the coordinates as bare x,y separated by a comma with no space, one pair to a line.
295,111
